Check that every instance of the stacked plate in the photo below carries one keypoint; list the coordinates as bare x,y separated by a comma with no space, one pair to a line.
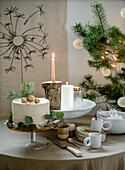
81,135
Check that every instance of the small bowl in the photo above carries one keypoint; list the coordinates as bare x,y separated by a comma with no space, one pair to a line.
63,132
118,125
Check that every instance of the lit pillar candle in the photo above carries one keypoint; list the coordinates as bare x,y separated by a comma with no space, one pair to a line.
53,67
67,97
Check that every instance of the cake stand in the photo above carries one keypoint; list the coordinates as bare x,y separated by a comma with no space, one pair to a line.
86,107
32,144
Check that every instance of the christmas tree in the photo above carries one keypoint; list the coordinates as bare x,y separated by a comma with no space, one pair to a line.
106,46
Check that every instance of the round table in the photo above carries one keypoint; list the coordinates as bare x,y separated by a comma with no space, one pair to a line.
111,156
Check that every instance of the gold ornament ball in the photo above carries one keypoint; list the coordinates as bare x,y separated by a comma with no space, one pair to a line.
31,98
23,99
37,100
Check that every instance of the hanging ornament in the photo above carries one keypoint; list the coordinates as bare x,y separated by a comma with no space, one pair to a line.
77,44
106,71
122,12
121,101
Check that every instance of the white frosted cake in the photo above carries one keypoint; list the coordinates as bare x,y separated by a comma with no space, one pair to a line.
35,110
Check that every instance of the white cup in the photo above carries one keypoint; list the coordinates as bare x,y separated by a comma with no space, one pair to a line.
99,125
94,140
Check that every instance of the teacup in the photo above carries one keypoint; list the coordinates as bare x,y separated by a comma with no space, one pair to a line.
63,131
94,140
99,125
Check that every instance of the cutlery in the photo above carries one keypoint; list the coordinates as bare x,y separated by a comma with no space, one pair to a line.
71,141
72,150
75,142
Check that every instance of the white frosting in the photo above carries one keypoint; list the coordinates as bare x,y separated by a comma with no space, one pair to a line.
35,110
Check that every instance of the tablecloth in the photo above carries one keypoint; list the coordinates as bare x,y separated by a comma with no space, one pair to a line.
111,156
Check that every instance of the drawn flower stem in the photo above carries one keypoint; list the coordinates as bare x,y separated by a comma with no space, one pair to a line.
3,46
21,56
4,26
6,50
5,34
30,17
35,43
11,23
26,47
4,43
30,29
16,25
34,47
12,58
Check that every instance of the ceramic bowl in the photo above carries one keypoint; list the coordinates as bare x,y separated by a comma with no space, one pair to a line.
118,125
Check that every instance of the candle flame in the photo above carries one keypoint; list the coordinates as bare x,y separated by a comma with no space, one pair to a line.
67,83
53,55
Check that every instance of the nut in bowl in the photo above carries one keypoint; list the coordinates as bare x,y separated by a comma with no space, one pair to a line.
116,118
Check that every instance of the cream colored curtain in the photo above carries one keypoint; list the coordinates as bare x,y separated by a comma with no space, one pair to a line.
31,30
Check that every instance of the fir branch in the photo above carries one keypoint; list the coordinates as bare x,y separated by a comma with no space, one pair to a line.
79,30
12,95
26,90
106,45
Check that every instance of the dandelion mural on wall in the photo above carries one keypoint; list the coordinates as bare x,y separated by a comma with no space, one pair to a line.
22,46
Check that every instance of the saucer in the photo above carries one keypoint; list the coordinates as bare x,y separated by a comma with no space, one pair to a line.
81,135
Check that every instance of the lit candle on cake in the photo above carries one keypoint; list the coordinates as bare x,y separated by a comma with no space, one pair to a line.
67,97
53,67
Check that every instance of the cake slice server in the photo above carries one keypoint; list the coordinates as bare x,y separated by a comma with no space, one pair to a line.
72,150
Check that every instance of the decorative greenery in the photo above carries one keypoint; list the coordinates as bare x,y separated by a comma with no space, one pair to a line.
57,115
10,120
53,118
106,45
26,90
28,120
24,127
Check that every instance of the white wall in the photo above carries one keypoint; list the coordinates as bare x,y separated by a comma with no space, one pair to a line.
80,11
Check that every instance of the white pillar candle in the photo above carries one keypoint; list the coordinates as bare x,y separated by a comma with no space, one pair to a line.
67,97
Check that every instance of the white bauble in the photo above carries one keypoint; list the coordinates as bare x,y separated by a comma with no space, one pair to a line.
77,44
121,101
106,71
122,12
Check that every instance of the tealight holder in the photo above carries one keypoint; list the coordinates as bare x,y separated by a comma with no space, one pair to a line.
77,98
53,93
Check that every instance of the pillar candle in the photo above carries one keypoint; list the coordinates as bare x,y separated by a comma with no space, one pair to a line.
67,97
53,67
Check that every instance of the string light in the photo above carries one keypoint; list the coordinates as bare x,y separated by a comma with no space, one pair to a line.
106,52
113,65
115,57
102,57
